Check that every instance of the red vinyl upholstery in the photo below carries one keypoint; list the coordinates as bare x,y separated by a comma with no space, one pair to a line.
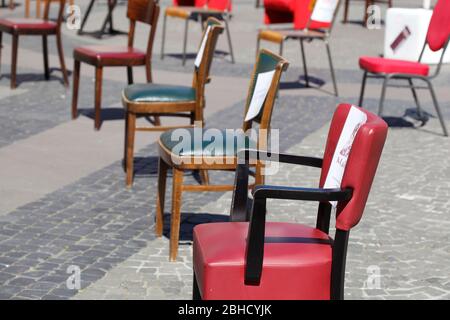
27,24
439,28
361,164
105,53
291,270
382,65
288,11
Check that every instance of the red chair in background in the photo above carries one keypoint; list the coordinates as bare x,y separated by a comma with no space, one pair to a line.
198,10
35,27
312,19
251,259
394,69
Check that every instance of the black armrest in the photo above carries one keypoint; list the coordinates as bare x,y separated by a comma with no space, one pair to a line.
239,203
255,239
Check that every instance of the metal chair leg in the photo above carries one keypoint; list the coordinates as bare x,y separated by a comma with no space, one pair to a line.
305,68
383,95
416,98
185,40
227,28
333,76
363,88
281,48
163,40
438,110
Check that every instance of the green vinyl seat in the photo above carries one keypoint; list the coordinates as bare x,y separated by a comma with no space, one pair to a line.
150,92
228,145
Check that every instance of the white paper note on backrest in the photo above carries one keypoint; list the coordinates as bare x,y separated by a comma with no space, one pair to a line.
355,119
324,10
199,57
263,82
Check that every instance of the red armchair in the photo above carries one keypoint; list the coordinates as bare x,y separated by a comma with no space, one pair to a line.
406,71
197,10
250,258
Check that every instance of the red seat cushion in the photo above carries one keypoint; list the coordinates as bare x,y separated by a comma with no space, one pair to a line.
291,270
382,65
27,24
116,55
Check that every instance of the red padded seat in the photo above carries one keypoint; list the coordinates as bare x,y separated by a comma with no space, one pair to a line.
19,24
110,53
388,66
294,268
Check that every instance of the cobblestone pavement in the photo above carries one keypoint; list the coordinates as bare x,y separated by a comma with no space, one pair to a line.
107,230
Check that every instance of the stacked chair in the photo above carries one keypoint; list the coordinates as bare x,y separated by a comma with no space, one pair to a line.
35,27
168,100
398,71
197,10
201,158
306,28
144,11
249,258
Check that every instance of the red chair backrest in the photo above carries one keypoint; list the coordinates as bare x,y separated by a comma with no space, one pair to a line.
439,28
361,164
221,5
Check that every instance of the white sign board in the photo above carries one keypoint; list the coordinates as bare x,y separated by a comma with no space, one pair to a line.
263,82
199,57
324,10
355,119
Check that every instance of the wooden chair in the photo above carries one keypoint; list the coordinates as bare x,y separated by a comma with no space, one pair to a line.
367,4
198,157
145,11
35,27
251,259
314,30
198,10
167,100
38,7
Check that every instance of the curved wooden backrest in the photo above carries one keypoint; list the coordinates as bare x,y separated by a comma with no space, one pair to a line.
142,11
59,18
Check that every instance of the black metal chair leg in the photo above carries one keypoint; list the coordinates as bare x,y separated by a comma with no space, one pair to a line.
305,68
333,76
436,105
230,45
363,88
383,95
185,40
85,17
195,290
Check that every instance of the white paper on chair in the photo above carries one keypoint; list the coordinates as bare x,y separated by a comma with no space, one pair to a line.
199,57
324,10
263,82
355,119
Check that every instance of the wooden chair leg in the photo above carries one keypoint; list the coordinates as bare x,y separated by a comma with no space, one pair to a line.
61,59
148,72
15,45
38,8
130,75
1,47
160,197
175,219
27,8
346,5
98,96
204,176
131,131
45,53
76,84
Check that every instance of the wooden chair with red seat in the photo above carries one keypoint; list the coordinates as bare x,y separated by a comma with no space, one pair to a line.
367,4
308,26
35,27
197,10
250,258
200,156
145,11
144,100
401,70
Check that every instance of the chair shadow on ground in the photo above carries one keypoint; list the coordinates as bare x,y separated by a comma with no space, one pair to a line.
107,114
418,122
188,221
37,77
